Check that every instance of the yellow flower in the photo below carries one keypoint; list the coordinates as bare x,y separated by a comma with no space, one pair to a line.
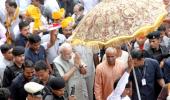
69,21
58,14
35,13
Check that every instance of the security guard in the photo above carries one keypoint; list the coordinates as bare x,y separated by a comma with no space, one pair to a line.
156,49
148,73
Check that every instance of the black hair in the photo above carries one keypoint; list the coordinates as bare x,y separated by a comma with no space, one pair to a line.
5,48
34,38
40,65
162,28
4,94
137,53
128,85
41,2
11,3
23,24
28,64
18,50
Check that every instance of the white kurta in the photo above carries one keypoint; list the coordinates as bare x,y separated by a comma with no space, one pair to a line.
2,34
51,5
3,65
53,51
76,80
23,4
87,57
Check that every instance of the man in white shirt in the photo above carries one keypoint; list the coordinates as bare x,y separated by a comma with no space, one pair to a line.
6,58
23,4
52,5
2,11
53,51
2,35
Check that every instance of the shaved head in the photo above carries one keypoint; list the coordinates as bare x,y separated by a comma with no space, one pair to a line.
110,50
111,55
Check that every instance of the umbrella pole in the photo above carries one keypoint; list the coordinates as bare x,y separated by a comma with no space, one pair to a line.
136,83
134,74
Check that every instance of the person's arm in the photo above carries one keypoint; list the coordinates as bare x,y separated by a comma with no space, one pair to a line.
7,78
120,87
98,84
77,63
66,76
161,82
49,66
163,94
96,59
53,38
159,74
13,89
72,98
69,73
3,37
122,82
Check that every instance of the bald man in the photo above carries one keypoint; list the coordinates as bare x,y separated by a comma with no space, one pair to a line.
107,73
71,68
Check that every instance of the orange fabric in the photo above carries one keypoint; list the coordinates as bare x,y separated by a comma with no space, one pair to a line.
106,77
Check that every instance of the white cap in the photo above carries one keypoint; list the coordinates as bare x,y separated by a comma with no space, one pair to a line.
33,87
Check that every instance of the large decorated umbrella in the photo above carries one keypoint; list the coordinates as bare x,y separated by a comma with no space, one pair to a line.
112,22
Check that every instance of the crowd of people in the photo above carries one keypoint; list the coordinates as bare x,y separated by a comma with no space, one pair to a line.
38,62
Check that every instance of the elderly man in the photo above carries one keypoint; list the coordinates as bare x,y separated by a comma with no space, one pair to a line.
78,13
70,67
107,74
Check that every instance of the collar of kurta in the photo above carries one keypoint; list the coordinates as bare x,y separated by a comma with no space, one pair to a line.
9,21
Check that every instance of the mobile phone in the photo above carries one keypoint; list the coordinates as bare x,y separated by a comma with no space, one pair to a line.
72,90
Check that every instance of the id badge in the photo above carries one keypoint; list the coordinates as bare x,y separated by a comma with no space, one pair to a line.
143,82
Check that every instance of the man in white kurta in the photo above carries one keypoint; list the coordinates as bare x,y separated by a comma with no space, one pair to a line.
65,64
87,55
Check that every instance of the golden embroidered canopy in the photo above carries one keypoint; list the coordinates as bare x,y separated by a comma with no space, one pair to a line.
112,22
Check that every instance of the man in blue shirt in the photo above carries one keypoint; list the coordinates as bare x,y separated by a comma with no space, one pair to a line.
35,52
147,72
21,39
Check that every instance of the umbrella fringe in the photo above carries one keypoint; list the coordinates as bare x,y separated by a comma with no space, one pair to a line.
145,30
